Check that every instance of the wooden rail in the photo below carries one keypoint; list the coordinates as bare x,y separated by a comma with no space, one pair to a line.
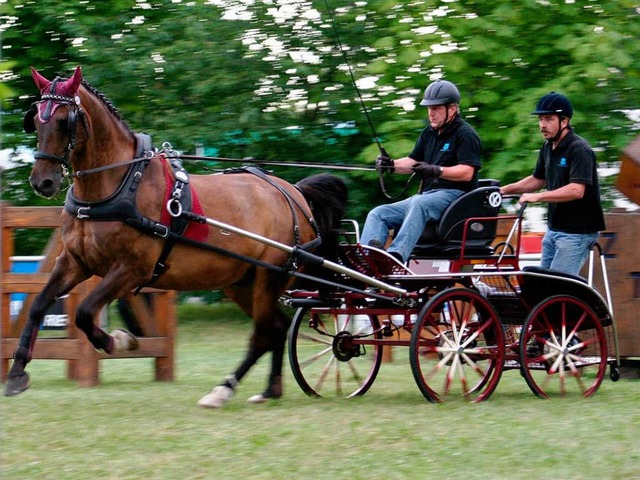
157,321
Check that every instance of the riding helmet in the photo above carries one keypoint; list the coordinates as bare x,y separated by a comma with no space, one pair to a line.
440,92
554,103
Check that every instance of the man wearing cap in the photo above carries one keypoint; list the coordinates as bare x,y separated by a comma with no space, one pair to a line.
446,157
566,166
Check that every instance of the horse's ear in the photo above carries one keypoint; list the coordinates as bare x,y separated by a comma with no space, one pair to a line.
41,82
71,86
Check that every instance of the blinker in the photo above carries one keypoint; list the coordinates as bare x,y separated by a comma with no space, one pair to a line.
28,122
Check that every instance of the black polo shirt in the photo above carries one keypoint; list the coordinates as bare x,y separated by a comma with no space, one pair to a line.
458,144
572,161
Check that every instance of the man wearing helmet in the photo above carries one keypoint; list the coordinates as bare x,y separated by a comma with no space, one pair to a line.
567,167
446,157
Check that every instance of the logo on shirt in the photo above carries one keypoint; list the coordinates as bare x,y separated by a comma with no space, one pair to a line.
445,147
563,162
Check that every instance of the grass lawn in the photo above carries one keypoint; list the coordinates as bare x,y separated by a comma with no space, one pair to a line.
131,427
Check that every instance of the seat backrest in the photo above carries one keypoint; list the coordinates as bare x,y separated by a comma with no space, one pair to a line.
481,202
484,201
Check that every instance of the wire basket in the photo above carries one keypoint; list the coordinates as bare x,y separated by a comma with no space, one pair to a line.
503,292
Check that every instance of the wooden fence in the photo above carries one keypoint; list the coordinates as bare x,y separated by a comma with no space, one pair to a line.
157,319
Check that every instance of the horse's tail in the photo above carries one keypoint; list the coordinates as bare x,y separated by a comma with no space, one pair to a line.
327,196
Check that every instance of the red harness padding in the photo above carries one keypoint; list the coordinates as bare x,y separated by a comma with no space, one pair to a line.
194,231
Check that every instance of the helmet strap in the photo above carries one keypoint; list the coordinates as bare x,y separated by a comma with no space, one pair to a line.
446,117
561,129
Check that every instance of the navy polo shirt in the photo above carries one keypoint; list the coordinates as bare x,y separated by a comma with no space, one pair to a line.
458,144
572,161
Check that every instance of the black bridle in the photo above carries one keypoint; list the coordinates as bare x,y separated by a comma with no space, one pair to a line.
75,111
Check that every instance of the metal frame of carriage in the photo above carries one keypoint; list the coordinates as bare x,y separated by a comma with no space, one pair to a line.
464,326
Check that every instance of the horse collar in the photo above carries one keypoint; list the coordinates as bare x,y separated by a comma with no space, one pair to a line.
108,208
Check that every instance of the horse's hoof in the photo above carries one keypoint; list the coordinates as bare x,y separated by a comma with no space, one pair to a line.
16,385
259,398
217,397
124,341
262,398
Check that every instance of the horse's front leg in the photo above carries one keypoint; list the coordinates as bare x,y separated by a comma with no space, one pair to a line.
114,285
65,275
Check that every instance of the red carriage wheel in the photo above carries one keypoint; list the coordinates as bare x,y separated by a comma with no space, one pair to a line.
563,348
457,347
330,353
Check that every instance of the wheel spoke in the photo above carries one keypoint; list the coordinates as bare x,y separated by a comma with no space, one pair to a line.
314,357
463,378
339,390
563,385
354,371
315,338
446,359
324,374
451,373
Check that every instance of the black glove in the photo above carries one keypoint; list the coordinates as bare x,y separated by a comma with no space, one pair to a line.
426,170
385,164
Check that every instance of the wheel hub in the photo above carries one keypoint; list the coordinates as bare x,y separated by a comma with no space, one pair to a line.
344,348
450,342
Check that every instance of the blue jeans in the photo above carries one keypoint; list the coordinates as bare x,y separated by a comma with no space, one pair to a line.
408,218
566,252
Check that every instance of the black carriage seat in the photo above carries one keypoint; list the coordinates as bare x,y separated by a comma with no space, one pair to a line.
539,283
444,238
556,273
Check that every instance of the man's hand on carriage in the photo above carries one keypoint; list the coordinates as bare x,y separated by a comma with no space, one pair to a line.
526,198
426,170
384,163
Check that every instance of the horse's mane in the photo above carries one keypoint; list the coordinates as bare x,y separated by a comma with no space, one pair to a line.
107,103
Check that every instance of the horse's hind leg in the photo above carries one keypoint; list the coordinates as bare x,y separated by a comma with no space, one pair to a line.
276,335
64,277
259,301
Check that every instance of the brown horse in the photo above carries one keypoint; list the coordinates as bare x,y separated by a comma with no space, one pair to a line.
130,239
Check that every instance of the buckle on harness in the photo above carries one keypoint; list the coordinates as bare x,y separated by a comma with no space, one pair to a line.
161,230
80,214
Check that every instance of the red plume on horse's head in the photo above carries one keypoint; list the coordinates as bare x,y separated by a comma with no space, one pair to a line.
68,87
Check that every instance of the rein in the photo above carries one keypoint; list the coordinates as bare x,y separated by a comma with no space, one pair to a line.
83,173
324,166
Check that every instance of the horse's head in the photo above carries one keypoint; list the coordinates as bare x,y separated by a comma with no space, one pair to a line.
55,119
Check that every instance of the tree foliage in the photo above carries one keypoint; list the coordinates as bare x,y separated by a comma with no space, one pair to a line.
272,79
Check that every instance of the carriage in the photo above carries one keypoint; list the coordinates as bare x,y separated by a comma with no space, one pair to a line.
462,304
465,309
